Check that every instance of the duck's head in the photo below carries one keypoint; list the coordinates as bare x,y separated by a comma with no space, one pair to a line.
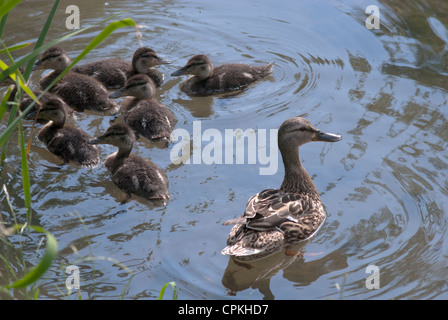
199,66
52,110
139,86
53,58
146,58
297,131
119,135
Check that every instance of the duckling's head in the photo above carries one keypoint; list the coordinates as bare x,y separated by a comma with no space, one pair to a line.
52,110
140,86
146,58
119,135
53,58
199,66
297,131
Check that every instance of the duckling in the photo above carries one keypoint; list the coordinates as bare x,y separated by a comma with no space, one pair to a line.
132,173
79,91
208,79
26,100
67,142
142,112
276,218
114,72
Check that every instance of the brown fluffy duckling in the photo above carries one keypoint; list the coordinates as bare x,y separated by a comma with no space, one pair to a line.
69,143
142,112
132,173
26,100
79,91
207,79
114,72
276,218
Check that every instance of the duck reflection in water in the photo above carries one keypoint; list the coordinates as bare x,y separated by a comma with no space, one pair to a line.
240,275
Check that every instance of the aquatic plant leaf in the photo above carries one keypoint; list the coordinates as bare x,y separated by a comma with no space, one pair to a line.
6,6
36,273
32,56
16,47
175,290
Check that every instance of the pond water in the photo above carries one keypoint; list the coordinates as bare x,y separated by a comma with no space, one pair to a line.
384,185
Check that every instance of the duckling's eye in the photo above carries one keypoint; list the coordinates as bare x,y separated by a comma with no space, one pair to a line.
303,129
50,56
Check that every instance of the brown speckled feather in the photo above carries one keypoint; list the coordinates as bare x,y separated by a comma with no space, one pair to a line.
225,78
70,144
138,176
148,118
111,72
81,92
276,218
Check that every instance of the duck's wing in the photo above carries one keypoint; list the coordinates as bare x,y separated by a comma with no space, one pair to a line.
141,177
250,244
268,209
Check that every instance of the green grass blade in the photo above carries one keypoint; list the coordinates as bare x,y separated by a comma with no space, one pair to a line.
33,55
3,23
98,39
51,249
19,77
12,115
95,42
16,47
6,6
3,106
175,290
40,40
25,175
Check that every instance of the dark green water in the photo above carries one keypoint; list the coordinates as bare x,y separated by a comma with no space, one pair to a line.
384,185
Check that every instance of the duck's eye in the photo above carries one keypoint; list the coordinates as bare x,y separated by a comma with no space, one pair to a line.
303,129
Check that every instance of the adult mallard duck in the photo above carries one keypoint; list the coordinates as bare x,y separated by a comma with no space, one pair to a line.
142,112
114,72
67,142
207,79
132,173
79,91
276,218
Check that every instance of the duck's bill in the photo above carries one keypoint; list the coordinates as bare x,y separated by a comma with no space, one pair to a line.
327,137
164,61
36,66
97,140
179,72
117,94
31,115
